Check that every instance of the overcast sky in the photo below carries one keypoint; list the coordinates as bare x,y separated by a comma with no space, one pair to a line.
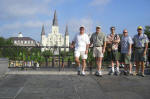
28,16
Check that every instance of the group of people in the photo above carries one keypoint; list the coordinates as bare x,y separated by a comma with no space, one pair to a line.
99,41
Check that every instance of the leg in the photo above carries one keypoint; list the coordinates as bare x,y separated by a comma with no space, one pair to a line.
117,64
137,67
112,64
99,65
83,64
142,67
77,61
130,68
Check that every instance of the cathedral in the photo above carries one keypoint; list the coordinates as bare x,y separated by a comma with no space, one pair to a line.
55,38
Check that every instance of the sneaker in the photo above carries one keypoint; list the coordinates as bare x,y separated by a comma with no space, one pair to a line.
125,72
98,73
78,73
117,73
83,73
136,74
111,72
143,75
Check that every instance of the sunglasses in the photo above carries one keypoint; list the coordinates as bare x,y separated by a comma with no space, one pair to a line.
125,32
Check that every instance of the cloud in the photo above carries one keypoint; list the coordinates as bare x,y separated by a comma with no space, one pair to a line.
23,8
99,2
12,29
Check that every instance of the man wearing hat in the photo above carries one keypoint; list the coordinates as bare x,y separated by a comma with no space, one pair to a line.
98,39
141,45
81,43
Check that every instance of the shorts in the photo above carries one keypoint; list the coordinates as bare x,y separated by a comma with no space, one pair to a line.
80,53
139,55
97,52
125,58
114,55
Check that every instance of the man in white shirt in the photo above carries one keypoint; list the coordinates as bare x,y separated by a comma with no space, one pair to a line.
81,43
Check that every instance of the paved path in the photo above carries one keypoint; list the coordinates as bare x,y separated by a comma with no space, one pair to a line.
48,86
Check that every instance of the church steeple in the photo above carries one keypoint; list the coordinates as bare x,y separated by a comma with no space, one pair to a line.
66,33
43,30
55,21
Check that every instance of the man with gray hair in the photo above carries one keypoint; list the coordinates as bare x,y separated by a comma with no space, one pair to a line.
98,39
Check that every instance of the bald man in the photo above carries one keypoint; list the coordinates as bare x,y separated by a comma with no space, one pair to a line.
126,49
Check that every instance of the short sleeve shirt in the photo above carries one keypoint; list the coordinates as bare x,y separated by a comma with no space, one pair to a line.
81,41
111,38
139,41
125,42
98,39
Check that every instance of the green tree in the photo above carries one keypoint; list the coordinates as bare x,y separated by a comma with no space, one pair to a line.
147,31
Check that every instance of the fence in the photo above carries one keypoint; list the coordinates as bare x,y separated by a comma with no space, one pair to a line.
46,57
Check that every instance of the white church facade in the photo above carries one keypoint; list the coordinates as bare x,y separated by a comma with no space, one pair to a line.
55,38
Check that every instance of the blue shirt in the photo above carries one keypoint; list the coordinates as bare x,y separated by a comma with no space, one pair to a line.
125,42
139,41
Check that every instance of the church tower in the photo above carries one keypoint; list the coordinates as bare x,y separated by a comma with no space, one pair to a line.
55,28
66,41
43,38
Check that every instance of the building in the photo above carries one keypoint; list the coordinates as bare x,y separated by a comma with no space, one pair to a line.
23,41
55,38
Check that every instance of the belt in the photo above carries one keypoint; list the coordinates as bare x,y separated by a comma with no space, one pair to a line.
97,46
139,47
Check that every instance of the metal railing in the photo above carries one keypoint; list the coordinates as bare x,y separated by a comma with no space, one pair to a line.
46,57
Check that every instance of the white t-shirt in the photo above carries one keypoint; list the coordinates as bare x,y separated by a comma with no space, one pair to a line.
81,41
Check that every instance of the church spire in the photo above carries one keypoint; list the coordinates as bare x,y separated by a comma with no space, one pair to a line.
66,32
55,21
43,30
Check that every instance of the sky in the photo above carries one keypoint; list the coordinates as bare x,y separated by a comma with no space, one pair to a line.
28,16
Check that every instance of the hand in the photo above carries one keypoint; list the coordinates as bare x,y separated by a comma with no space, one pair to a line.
144,53
129,53
86,52
103,51
71,46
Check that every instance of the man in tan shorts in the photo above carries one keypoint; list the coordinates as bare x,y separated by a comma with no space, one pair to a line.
98,39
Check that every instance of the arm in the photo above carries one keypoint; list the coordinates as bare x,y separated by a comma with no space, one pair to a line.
130,48
87,47
146,47
91,40
104,47
118,40
73,42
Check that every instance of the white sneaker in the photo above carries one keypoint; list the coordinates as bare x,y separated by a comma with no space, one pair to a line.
83,73
98,73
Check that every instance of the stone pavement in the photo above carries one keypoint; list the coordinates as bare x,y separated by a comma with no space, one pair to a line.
70,86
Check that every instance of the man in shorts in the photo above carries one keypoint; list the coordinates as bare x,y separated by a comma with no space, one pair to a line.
81,43
113,40
141,45
126,49
98,39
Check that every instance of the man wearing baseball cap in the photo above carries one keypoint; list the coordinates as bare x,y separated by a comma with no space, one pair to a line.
141,45
98,39
81,43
